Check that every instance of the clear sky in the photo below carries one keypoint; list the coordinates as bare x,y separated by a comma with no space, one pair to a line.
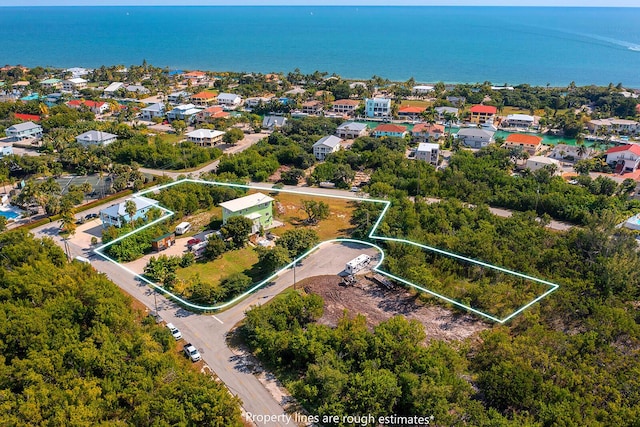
581,3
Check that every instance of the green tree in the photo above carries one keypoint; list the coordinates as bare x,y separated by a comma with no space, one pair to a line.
316,210
215,248
130,208
298,241
232,136
237,229
179,126
271,260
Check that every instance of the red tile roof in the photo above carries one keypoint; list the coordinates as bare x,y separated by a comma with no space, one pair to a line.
520,138
204,95
27,117
89,104
411,110
486,109
634,148
353,102
390,128
426,127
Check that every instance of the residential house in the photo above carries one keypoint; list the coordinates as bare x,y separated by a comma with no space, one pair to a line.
205,137
482,114
422,90
96,137
326,145
138,89
77,71
27,117
75,84
620,126
195,76
117,216
428,152
152,111
22,131
204,98
523,121
20,86
186,112
571,152
457,100
295,91
424,132
529,143
377,107
411,113
388,129
345,106
273,122
110,91
257,207
211,113
229,99
312,108
257,100
51,84
475,137
6,150
355,85
178,97
442,111
96,107
538,162
351,130
624,158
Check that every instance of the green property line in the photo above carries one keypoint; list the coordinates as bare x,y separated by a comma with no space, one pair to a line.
372,235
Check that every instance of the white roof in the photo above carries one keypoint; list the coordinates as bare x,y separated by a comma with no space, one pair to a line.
95,136
77,80
423,87
543,159
113,87
184,107
447,109
204,133
522,117
252,216
154,107
228,96
245,202
119,209
427,146
352,126
19,127
328,141
295,91
475,132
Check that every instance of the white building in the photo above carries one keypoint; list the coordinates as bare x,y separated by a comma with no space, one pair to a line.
428,152
186,112
21,131
614,125
475,137
74,84
110,91
519,121
229,99
446,110
178,97
96,137
273,122
624,158
205,137
351,130
326,145
538,162
153,110
377,107
422,89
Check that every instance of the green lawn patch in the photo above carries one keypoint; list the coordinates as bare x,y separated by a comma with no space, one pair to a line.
236,261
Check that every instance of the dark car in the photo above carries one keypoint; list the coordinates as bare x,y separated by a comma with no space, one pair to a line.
91,216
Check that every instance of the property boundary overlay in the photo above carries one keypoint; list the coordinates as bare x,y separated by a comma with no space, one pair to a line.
372,235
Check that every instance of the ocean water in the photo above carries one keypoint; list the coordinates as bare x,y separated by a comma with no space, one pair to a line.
452,44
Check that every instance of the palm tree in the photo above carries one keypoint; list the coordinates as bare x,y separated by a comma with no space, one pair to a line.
130,208
68,225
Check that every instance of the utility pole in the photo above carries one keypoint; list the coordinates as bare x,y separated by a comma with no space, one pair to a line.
294,274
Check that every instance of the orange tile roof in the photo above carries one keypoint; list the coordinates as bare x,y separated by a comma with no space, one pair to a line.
486,109
634,148
204,95
27,117
520,138
387,127
411,110
353,102
426,127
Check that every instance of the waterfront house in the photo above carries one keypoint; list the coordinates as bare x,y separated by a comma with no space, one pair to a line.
77,71
388,129
96,137
205,137
178,97
457,100
110,91
345,106
152,111
356,85
423,132
624,158
475,137
51,84
211,113
96,107
186,112
428,152
570,152
612,125
138,89
74,84
523,121
377,107
351,130
195,76
22,131
421,90
257,207
117,216
441,111
229,99
312,108
204,98
538,162
410,113
253,102
529,143
482,114
273,122
326,145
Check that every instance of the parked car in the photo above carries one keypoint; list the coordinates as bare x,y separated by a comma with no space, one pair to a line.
174,331
90,216
193,242
192,352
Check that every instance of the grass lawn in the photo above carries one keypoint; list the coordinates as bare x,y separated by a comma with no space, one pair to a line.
171,138
236,261
415,103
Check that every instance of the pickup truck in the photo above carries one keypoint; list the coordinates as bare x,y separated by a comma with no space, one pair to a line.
192,352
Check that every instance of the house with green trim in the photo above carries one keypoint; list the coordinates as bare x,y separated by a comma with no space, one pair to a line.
257,207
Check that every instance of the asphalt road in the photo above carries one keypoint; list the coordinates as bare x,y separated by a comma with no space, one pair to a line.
208,332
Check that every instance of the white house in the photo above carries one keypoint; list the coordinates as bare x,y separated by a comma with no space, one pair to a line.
519,121
110,91
570,152
422,89
6,150
117,216
178,97
205,137
345,106
273,122
96,137
428,152
229,99
186,112
138,89
21,131
153,110
74,84
614,125
538,162
377,107
351,130
326,145
624,158
77,71
475,137
441,111
51,83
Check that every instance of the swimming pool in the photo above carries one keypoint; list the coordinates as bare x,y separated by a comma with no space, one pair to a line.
10,213
633,222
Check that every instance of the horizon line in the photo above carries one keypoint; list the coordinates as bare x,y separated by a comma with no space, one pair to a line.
341,5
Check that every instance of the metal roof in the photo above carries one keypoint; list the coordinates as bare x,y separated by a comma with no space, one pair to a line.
246,202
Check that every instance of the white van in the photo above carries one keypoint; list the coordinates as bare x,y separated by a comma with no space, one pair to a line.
183,227
82,259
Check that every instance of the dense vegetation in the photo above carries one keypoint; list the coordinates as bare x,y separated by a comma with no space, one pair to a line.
72,351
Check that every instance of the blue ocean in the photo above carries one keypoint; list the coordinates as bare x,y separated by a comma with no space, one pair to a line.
513,45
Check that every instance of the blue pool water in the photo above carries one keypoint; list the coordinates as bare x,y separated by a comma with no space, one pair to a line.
9,214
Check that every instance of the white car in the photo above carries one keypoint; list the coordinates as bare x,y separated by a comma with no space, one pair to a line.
174,331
